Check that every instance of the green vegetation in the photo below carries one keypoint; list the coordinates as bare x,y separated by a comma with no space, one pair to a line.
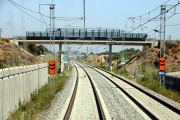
167,50
40,100
145,78
171,45
174,50
172,68
154,85
128,53
8,60
149,69
37,50
5,39
156,63
178,41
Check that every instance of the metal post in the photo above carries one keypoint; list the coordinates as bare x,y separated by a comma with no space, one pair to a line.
162,39
52,39
106,49
87,54
117,63
101,61
123,40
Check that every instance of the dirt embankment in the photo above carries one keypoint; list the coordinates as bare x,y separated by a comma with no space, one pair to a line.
10,53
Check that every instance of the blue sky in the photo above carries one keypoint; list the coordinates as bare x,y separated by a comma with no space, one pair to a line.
104,13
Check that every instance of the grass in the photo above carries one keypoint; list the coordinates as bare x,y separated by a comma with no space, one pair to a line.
172,68
154,85
40,100
114,70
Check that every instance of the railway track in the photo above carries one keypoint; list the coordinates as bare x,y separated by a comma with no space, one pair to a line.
72,114
151,105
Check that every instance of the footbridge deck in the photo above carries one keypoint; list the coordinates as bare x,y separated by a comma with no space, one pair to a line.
89,34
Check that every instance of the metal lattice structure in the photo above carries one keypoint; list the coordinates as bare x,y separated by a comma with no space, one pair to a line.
52,38
162,39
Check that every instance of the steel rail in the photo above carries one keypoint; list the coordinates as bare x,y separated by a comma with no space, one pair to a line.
99,106
68,112
176,110
143,108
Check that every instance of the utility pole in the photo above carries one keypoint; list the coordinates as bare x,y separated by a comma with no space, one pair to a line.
123,40
52,38
117,63
170,38
162,39
101,61
84,18
87,54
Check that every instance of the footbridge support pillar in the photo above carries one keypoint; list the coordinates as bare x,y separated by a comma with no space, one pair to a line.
60,52
110,54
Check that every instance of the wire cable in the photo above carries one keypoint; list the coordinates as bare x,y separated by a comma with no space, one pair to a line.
43,20
25,12
71,24
162,23
125,24
154,18
173,25
69,19
152,10
27,9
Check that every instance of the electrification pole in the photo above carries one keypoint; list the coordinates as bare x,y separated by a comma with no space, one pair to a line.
52,39
162,39
170,38
84,18
123,40
87,54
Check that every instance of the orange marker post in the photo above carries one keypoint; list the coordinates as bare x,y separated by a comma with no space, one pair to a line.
162,63
51,67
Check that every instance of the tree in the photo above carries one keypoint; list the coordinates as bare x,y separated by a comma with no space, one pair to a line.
91,53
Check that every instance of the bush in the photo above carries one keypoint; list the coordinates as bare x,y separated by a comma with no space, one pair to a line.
1,64
178,61
170,45
174,50
167,50
175,57
145,64
178,41
125,72
166,42
5,39
145,78
156,63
